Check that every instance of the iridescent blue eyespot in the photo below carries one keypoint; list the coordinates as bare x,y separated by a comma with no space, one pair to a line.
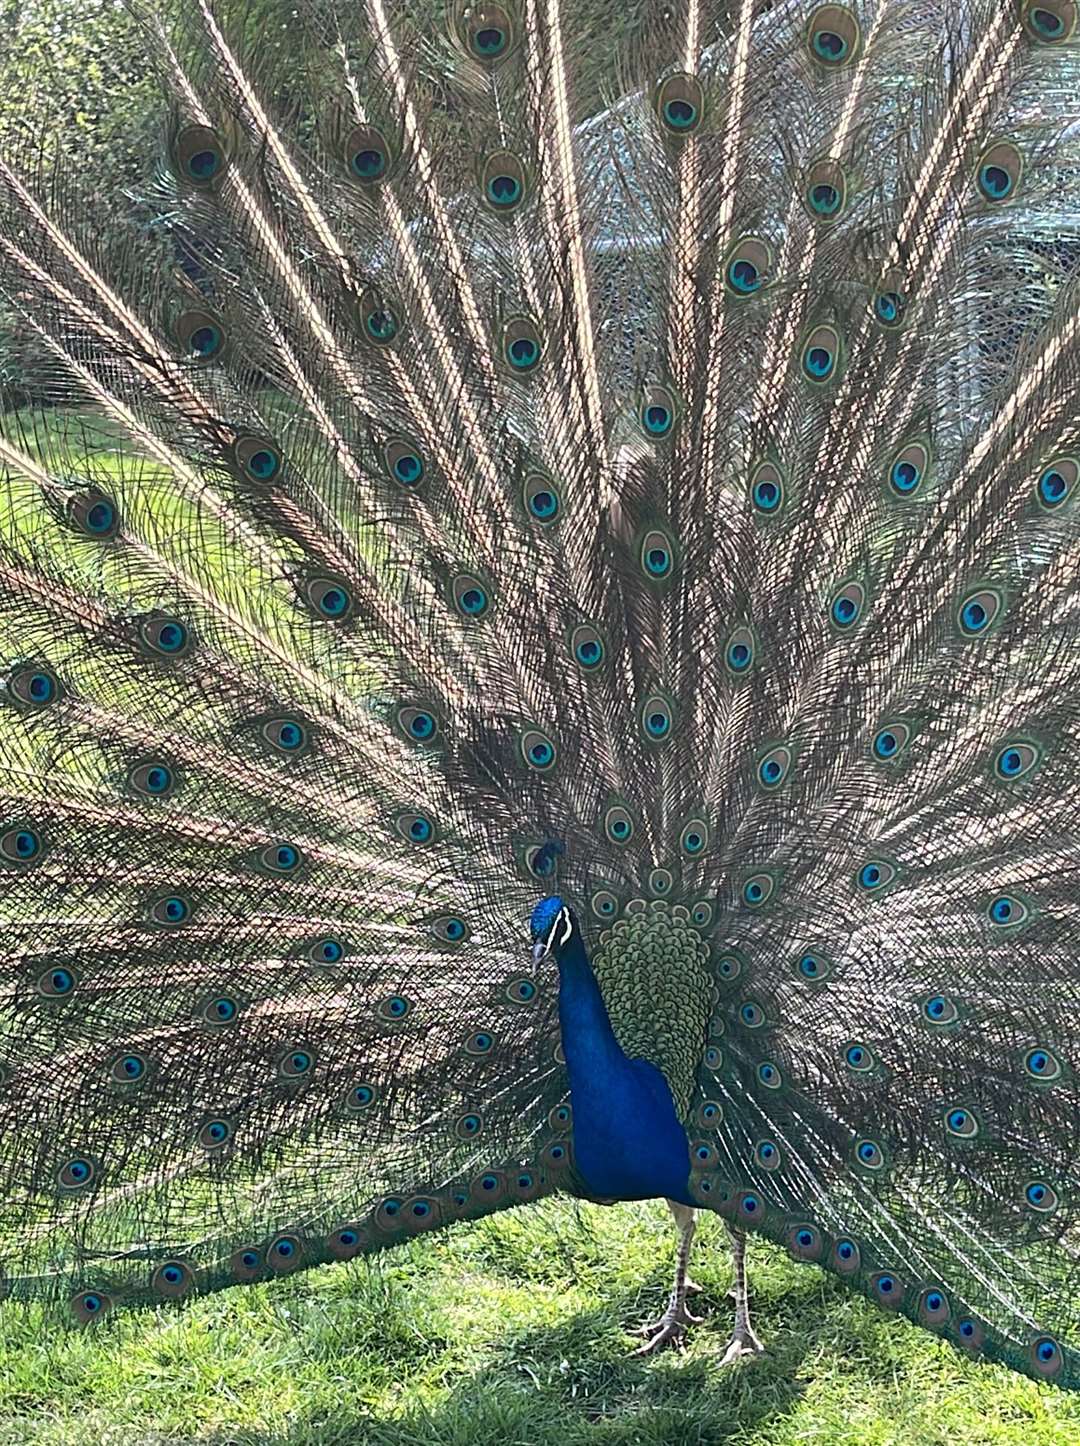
368,164
743,276
657,412
1050,22
618,825
1042,1064
89,1305
820,354
846,1256
20,846
825,190
858,1057
222,1010
263,463
367,155
766,496
875,874
328,951
657,718
758,889
522,347
198,154
739,652
56,983
541,498
417,724
165,636
76,1174
997,175
774,767
869,1154
587,647
471,597
813,966
504,190
939,1010
961,1123
1057,482
680,104
214,1134
829,46
657,557
767,1153
1006,911
890,741
846,605
128,1068
766,489
1040,1196
360,1097
679,114
328,597
172,909
1046,1355
889,308
538,750
486,31
296,1064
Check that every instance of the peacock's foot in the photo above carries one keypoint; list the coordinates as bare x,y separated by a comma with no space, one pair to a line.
668,1330
743,1343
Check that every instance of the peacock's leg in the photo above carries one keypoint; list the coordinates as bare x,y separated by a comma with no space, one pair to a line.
673,1323
743,1340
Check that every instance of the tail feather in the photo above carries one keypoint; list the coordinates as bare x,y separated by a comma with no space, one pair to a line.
658,500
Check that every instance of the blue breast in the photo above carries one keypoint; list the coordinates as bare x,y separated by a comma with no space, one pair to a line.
628,1142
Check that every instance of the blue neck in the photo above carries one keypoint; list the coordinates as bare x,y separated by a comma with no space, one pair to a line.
589,1043
628,1142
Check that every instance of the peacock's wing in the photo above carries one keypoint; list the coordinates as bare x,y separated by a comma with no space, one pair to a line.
436,477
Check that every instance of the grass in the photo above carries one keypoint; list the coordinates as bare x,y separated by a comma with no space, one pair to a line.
513,1332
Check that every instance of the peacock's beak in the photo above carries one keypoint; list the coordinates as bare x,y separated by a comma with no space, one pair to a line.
539,951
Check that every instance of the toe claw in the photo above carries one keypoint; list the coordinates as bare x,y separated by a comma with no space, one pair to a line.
742,1344
668,1330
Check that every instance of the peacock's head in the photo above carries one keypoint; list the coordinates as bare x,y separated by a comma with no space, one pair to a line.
552,926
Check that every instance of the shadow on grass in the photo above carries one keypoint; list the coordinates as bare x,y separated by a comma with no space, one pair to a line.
577,1383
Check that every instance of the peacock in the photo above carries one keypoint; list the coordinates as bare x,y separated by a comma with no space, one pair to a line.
541,651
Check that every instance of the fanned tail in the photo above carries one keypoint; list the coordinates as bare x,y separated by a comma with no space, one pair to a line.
452,490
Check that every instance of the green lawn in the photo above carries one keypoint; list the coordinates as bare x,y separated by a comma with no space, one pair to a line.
512,1332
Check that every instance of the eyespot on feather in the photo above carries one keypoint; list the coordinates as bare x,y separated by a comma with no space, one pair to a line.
92,513
998,172
825,191
379,319
747,267
1049,22
367,155
832,36
680,105
522,346
908,469
199,156
488,32
504,183
657,412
